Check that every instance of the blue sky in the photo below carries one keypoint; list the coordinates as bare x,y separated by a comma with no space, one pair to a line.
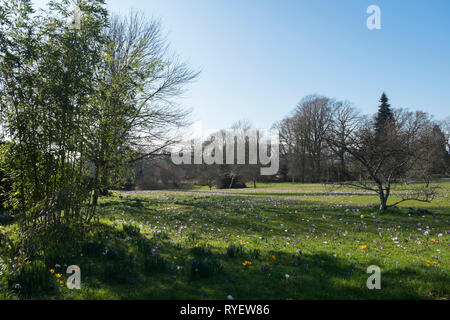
259,58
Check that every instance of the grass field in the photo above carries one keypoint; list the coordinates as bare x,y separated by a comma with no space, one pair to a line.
278,241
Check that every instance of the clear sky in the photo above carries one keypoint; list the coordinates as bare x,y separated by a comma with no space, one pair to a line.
259,58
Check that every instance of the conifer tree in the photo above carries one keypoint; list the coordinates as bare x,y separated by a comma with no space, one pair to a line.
384,114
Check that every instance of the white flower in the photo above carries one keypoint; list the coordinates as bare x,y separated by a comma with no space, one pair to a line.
230,297
286,276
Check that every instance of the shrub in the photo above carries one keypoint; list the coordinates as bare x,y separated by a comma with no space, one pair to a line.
228,182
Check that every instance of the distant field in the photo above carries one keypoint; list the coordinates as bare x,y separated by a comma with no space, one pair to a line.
278,241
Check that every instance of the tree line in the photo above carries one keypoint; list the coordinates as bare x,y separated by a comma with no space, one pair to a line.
328,141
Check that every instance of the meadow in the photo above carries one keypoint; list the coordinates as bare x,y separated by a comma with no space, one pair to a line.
278,241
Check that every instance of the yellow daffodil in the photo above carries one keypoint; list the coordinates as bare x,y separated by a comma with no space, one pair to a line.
52,271
28,262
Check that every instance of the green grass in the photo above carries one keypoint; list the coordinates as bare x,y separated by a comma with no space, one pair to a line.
202,238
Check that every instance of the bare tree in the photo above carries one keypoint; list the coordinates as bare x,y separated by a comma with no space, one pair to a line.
345,122
390,157
136,113
303,137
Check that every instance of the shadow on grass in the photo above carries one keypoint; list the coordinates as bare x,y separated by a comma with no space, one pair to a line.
120,265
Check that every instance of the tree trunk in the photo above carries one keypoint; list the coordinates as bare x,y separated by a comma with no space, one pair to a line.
383,205
383,198
343,168
231,183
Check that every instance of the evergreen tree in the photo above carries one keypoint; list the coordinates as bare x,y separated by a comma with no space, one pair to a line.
384,113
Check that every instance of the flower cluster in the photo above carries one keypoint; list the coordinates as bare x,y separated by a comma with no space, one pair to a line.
247,263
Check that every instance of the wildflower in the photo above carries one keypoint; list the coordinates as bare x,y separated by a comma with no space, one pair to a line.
28,262
435,262
230,297
61,282
362,216
363,247
174,258
242,243
58,275
19,264
52,271
286,276
432,240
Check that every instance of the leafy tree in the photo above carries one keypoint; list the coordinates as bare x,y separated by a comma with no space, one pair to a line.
48,81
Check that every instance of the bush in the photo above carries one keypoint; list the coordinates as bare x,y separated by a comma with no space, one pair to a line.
228,182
